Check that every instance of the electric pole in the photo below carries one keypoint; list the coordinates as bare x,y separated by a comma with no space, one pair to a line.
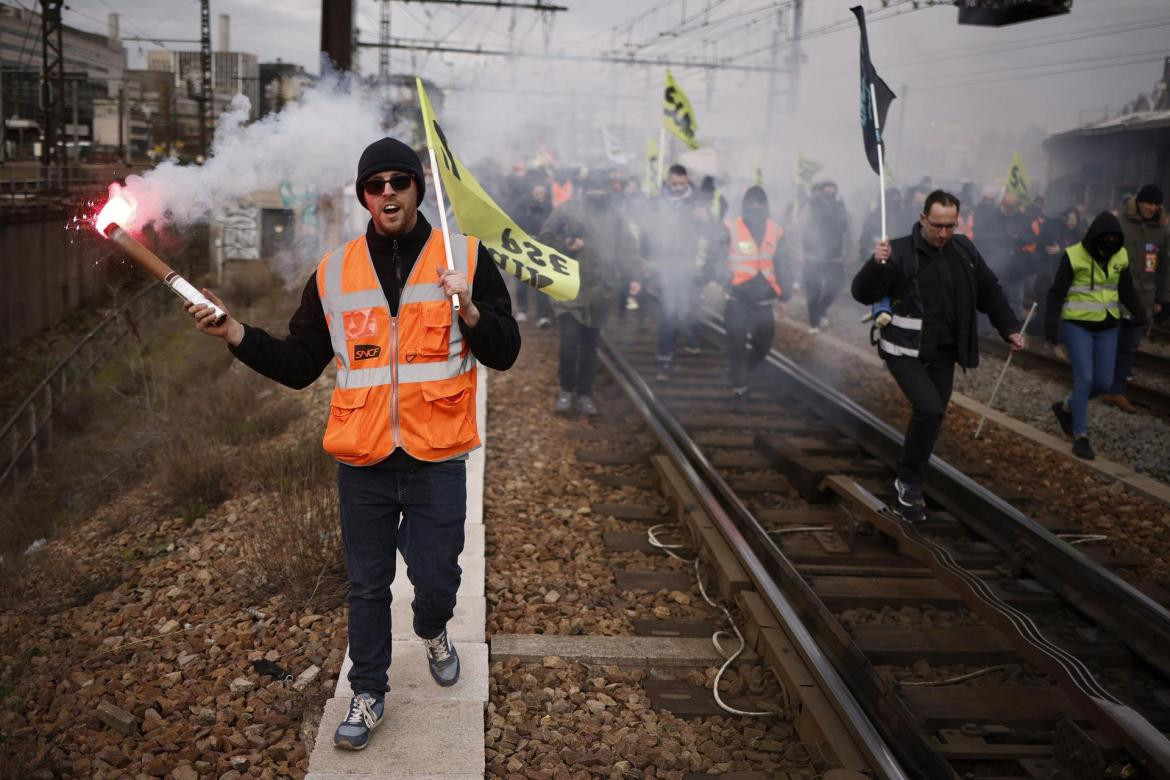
337,34
52,88
205,86
384,38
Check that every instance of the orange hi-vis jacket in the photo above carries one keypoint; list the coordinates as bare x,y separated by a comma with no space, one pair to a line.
745,258
406,381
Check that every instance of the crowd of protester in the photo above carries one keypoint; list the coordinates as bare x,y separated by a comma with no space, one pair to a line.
673,242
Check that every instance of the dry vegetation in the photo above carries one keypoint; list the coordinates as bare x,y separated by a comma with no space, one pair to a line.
184,470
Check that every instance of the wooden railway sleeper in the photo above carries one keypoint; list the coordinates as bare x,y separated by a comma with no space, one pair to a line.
1092,699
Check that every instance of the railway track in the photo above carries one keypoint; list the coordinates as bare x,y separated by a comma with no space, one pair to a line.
979,643
1150,390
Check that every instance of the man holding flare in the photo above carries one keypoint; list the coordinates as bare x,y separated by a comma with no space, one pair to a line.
402,417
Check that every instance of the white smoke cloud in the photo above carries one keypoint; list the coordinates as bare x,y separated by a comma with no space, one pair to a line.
313,144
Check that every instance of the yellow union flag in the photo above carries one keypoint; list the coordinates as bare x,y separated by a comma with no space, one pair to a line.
677,115
1017,180
511,248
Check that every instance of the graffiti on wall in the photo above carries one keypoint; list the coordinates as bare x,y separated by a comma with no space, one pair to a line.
240,231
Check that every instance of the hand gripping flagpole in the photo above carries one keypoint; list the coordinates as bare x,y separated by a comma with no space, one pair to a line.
1003,371
437,180
877,131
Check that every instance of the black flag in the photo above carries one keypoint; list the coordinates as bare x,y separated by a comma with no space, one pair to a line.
870,131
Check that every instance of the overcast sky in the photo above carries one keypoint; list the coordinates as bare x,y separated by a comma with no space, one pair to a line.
1053,74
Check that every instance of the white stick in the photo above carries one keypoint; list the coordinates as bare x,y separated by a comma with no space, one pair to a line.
1003,371
661,154
881,158
437,180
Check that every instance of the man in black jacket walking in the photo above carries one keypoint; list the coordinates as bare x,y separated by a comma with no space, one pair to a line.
935,281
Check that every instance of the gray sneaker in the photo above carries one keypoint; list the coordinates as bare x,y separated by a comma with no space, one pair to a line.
365,713
564,404
586,406
442,659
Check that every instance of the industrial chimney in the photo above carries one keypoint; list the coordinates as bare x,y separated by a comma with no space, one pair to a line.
115,35
225,40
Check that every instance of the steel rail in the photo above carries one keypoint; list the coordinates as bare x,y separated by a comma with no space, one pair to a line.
1130,615
758,554
1154,399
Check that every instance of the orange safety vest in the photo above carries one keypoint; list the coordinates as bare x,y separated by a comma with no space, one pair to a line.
966,226
746,259
407,381
561,192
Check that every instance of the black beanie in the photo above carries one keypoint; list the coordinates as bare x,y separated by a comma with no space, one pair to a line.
389,154
1150,194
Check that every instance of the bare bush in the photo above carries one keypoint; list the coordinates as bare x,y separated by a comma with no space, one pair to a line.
244,408
300,466
246,283
192,474
293,547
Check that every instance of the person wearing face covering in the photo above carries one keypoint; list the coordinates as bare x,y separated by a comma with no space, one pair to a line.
756,273
1093,281
591,230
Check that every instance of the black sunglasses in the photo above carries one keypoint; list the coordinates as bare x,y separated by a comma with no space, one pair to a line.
399,182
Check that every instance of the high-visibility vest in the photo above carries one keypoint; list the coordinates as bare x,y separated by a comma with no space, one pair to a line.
562,192
1093,293
746,258
966,226
406,381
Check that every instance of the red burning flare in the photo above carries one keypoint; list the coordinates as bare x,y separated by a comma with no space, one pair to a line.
118,209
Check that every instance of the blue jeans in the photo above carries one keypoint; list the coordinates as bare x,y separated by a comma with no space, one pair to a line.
421,512
1128,341
678,306
1091,354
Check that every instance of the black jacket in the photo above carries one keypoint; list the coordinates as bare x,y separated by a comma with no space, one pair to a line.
1104,223
975,289
299,358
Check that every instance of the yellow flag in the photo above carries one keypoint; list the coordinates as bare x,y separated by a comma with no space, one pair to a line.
677,116
806,169
650,184
1017,180
511,248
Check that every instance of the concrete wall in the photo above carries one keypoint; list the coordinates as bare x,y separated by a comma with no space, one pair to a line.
43,275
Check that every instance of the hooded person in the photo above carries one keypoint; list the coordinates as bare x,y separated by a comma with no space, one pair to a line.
1147,242
590,229
401,419
753,263
1093,281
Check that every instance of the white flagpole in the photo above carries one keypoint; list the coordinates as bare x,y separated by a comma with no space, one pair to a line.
1006,363
437,180
881,161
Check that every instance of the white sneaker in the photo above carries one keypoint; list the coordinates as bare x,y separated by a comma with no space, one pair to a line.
813,329
521,317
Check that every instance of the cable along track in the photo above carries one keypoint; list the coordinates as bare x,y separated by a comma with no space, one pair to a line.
976,554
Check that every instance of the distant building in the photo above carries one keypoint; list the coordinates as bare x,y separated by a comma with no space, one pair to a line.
232,73
1101,163
281,83
94,66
